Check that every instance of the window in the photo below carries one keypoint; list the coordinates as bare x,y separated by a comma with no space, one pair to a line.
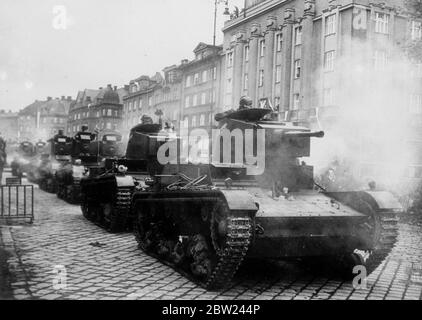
279,41
296,101
328,97
214,73
187,102
203,98
188,81
380,59
329,58
262,48
297,69
202,120
230,59
261,78
150,101
416,30
278,74
298,36
109,112
246,82
193,121
246,53
416,104
130,106
330,24
140,104
195,100
381,22
277,103
204,76
196,78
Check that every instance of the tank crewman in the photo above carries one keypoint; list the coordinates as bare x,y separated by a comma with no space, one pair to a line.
244,103
3,156
84,130
146,120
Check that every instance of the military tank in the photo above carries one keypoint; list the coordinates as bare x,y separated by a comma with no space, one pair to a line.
204,220
57,154
110,209
69,175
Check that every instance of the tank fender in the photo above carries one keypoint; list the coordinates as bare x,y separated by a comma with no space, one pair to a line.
379,200
125,181
239,200
384,200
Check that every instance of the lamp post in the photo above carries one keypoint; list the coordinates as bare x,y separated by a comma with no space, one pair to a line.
226,12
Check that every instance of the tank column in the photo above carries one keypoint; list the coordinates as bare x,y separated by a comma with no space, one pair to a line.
253,63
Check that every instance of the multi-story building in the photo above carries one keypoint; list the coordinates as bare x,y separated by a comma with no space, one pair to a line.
43,119
201,86
338,65
139,100
9,125
98,109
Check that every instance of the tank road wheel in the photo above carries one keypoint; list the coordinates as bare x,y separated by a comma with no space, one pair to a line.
380,232
210,255
146,230
87,210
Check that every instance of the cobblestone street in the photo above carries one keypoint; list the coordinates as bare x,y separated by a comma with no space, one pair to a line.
99,265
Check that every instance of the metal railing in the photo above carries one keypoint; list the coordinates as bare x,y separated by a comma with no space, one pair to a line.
17,203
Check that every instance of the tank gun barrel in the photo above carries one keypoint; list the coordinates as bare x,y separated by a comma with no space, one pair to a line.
318,134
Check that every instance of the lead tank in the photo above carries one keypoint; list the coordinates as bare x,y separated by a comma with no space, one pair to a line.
205,219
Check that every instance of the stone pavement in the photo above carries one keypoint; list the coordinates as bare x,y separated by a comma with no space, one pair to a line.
63,256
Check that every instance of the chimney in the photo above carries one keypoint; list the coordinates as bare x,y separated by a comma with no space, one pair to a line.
69,98
115,88
100,88
109,86
126,87
185,61
63,97
49,98
88,99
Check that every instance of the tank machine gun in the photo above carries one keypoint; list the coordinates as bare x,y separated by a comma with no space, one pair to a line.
205,219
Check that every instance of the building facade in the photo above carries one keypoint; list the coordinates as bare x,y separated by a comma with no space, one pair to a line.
201,87
43,119
99,110
156,97
336,65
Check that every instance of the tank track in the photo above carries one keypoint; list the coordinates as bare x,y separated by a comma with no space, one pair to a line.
121,210
228,255
388,237
231,257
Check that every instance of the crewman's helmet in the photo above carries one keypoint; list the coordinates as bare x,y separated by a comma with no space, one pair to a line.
245,102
